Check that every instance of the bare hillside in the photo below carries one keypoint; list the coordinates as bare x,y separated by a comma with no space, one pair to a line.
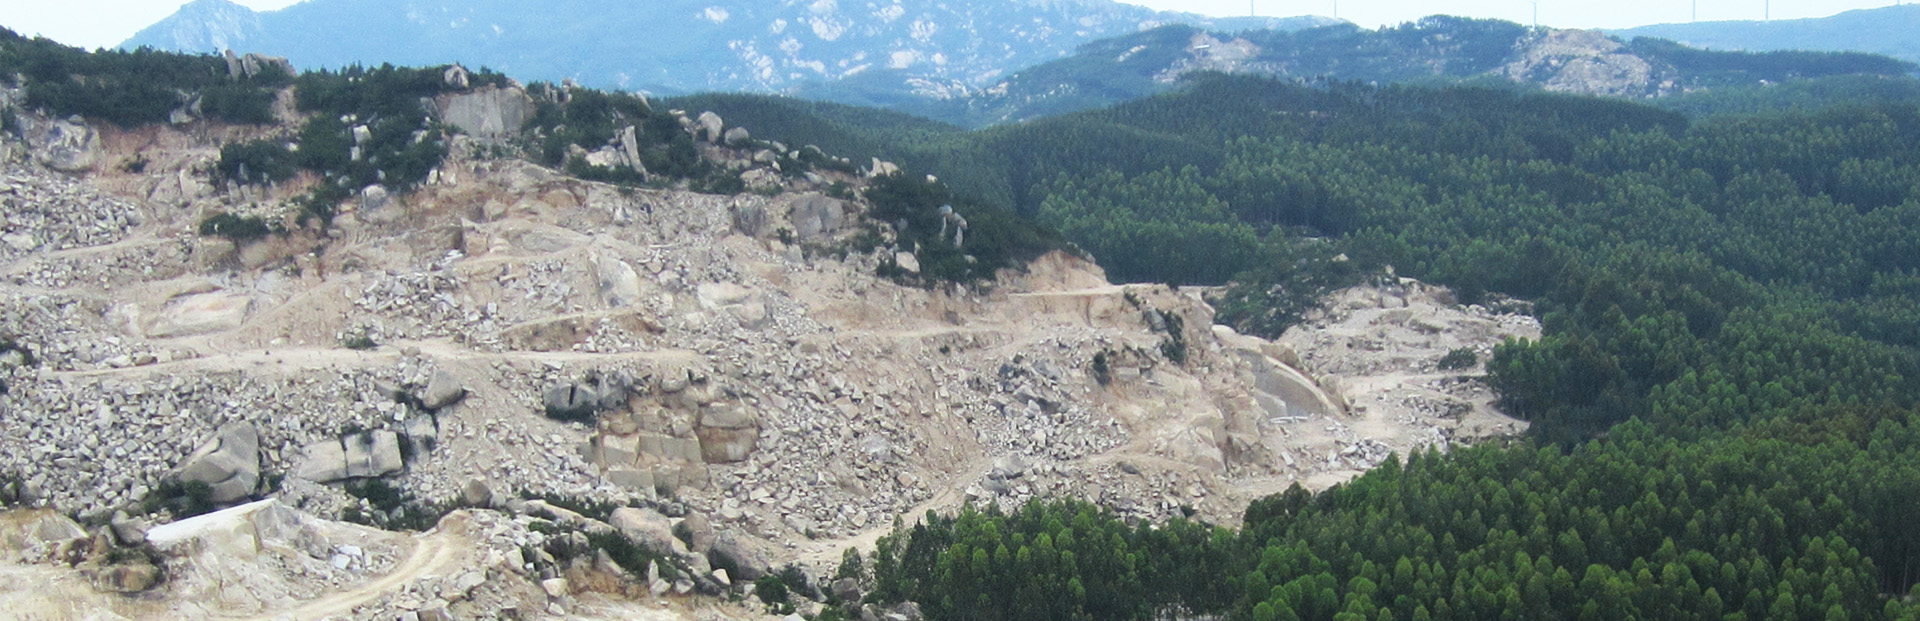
730,370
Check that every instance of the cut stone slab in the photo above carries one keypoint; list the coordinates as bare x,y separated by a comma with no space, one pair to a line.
325,462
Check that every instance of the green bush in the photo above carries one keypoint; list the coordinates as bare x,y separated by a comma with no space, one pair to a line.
257,161
393,508
1458,359
236,228
996,239
772,591
1175,347
183,500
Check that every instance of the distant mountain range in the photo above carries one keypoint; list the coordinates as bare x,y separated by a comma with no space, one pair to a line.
1436,49
983,62
1888,31
678,46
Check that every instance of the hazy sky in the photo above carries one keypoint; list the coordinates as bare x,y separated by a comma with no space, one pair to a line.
96,23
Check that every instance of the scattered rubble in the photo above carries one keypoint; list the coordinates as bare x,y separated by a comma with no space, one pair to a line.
741,389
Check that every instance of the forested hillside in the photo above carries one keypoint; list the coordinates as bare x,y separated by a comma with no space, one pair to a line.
1719,403
1708,271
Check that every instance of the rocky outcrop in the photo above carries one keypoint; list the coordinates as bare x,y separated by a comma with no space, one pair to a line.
228,463
488,111
711,127
202,313
251,65
619,282
814,216
38,533
1587,62
67,145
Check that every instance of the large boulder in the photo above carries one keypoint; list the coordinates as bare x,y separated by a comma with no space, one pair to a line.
746,563
487,112
441,391
38,531
571,402
814,216
228,463
630,150
727,434
750,219
738,136
131,576
712,128
648,528
69,145
697,531
619,282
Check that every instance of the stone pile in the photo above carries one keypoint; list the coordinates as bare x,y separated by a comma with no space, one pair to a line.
43,212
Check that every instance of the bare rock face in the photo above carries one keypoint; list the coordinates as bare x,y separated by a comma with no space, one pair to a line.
1582,61
487,112
229,463
201,314
619,282
69,145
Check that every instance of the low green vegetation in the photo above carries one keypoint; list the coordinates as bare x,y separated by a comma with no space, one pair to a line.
236,228
995,238
1457,359
182,500
391,508
133,88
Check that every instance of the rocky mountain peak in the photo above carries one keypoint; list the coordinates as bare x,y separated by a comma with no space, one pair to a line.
204,26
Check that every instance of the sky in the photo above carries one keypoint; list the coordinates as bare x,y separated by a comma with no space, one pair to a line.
99,23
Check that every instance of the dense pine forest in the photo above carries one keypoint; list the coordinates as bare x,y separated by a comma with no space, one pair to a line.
1723,403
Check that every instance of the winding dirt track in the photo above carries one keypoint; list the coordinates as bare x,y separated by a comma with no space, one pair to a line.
434,553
